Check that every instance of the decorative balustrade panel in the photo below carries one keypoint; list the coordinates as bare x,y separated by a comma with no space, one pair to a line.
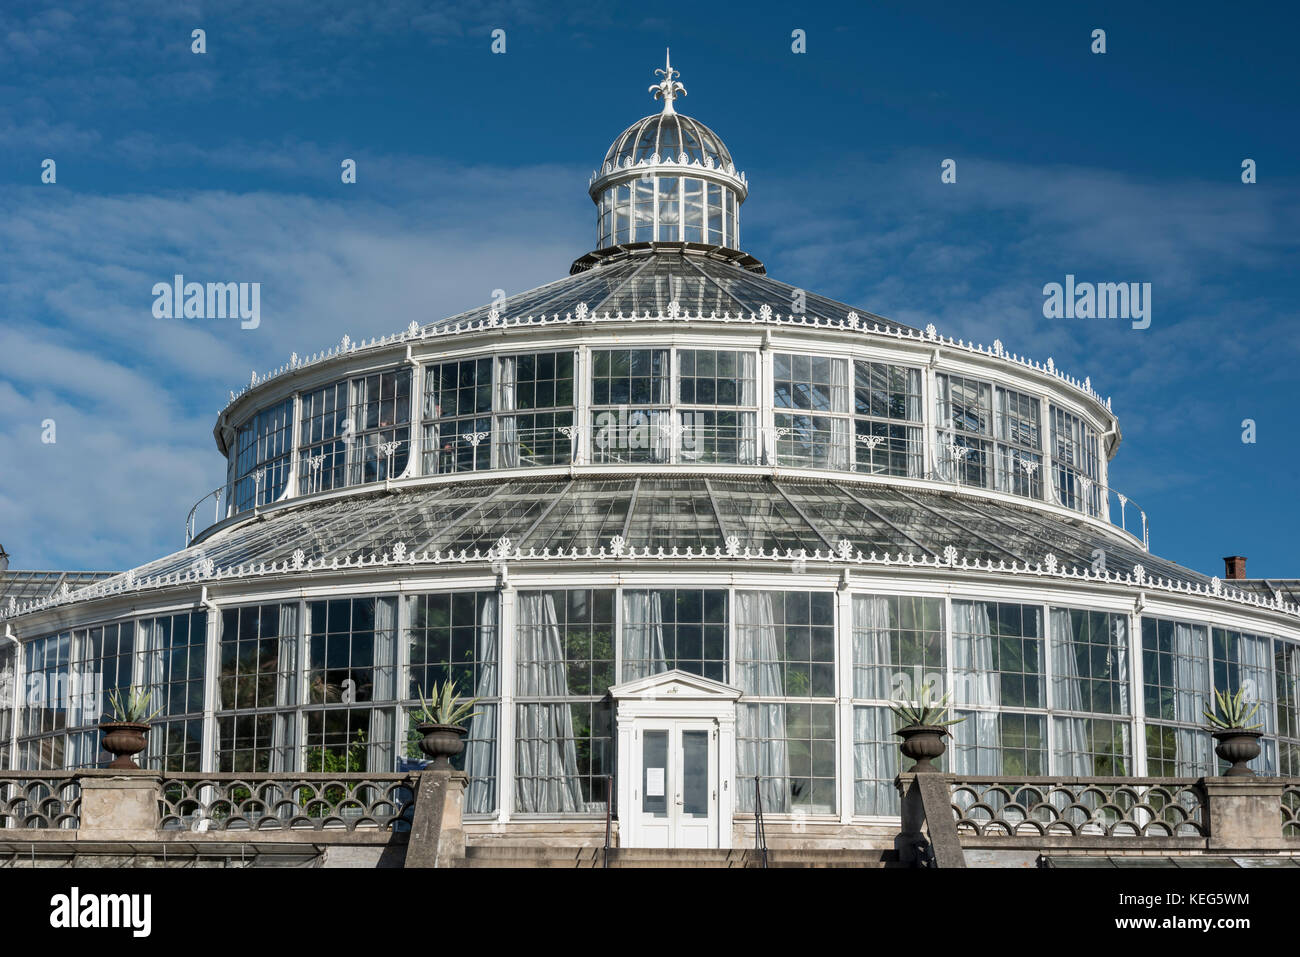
1064,807
39,801
1291,811
277,802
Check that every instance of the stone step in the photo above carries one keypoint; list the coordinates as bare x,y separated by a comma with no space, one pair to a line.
514,855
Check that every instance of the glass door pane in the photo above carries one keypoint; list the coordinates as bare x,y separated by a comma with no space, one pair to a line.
654,772
695,773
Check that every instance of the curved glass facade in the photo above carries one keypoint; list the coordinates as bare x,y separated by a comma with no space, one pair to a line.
328,685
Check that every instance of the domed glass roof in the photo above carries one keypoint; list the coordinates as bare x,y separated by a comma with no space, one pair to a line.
668,135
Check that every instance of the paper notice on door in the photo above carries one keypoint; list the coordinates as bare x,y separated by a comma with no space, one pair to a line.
654,782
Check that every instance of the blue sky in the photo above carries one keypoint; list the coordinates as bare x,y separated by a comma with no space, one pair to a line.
472,170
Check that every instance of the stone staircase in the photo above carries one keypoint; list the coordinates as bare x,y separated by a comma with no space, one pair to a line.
516,855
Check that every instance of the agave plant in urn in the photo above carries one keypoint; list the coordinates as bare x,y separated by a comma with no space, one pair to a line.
1238,741
441,723
127,728
922,727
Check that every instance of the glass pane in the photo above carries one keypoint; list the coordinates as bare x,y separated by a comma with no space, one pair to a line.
654,773
695,772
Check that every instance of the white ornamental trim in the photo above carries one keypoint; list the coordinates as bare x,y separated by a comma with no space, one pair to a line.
843,555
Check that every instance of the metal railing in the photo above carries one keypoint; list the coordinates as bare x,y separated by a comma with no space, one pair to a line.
760,832
609,816
1057,806
41,800
271,802
1291,811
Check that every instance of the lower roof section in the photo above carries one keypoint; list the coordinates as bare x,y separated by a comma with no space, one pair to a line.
696,512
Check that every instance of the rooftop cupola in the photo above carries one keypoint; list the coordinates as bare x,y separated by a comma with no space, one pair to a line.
668,178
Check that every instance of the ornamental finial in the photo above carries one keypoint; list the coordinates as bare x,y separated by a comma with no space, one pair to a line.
668,88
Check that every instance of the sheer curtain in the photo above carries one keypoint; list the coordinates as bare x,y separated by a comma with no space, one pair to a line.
546,758
761,727
286,686
480,750
747,450
1191,674
507,433
978,749
643,636
872,654
839,449
1072,738
385,650
875,761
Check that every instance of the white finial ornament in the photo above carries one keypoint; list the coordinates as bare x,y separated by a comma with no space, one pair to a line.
668,88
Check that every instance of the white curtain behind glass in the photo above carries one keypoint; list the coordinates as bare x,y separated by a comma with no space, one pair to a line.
285,687
480,751
872,656
875,761
643,635
1191,674
385,650
839,450
546,759
1072,738
761,728
507,434
978,748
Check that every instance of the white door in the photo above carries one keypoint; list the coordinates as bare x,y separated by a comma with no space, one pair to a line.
676,803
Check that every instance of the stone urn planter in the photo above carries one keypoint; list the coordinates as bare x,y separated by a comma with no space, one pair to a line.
124,739
442,742
923,743
1238,746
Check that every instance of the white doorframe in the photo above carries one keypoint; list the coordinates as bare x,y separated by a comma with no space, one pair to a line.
675,702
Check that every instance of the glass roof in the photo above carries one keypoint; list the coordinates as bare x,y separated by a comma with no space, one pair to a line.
28,585
649,279
666,512
668,135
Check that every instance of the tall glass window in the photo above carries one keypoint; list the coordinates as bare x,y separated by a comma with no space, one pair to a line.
564,734
670,208
256,688
351,648
1019,444
887,419
674,628
1241,661
998,684
454,637
263,447
811,396
1175,692
898,645
1090,680
175,663
324,431
1286,670
718,412
1075,463
630,398
965,424
381,423
457,416
785,664
534,402
8,701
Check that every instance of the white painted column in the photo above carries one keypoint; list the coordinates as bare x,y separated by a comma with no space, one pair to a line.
844,697
506,739
1137,681
211,664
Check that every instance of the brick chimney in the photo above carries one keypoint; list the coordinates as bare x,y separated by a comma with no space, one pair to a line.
1234,566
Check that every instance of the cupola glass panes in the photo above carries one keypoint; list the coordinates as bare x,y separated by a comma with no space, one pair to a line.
811,399
667,208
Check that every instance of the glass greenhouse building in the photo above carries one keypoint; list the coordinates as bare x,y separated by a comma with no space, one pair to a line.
681,527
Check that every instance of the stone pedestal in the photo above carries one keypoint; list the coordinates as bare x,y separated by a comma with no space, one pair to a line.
119,805
1244,813
437,834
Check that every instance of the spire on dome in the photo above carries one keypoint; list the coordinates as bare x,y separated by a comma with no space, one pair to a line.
668,88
